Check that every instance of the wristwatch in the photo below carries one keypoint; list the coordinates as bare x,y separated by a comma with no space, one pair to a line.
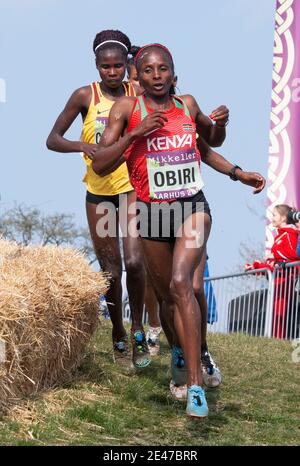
232,174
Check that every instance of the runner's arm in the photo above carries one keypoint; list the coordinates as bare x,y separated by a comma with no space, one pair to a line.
78,103
213,158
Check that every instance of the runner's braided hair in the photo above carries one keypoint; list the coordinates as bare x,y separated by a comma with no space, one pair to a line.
112,39
133,51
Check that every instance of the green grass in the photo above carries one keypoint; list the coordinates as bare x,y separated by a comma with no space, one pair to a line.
258,402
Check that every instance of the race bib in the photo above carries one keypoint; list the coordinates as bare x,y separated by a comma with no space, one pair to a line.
173,175
100,125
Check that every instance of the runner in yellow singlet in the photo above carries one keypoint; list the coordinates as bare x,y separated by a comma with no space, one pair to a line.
94,102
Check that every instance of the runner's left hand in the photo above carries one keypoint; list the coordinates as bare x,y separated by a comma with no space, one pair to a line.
252,179
220,115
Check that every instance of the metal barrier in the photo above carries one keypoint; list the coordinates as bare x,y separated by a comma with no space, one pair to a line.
242,302
286,308
257,302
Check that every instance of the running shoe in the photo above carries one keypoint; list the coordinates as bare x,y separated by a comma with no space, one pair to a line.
211,373
196,402
140,351
178,384
178,368
178,392
152,337
121,353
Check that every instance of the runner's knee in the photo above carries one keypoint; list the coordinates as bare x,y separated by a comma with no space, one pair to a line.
114,270
134,266
180,286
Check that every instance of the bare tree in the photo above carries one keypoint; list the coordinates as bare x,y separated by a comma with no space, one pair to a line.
250,251
27,225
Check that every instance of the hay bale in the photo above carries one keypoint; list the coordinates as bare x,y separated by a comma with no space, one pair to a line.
49,308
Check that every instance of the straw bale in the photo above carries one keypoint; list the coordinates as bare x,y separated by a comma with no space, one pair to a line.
49,308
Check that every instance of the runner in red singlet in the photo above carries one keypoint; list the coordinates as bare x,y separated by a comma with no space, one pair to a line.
211,372
157,133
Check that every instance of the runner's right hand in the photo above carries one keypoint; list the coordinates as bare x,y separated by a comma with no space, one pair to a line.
89,149
153,121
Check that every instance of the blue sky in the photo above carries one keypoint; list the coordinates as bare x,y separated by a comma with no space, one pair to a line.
223,55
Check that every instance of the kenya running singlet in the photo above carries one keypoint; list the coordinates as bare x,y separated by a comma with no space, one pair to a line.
94,124
165,164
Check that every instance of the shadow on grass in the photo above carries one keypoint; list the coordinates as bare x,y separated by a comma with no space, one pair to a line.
147,390
96,367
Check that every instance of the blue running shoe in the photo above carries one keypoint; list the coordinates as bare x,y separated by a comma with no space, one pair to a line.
178,368
140,351
196,402
121,353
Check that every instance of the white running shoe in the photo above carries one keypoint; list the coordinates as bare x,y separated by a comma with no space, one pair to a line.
152,338
212,376
179,392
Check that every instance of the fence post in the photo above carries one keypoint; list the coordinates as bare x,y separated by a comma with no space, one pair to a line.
269,306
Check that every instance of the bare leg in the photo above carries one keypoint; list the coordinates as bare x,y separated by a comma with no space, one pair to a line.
187,311
167,322
172,274
151,304
210,371
159,258
165,316
108,254
198,286
134,265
